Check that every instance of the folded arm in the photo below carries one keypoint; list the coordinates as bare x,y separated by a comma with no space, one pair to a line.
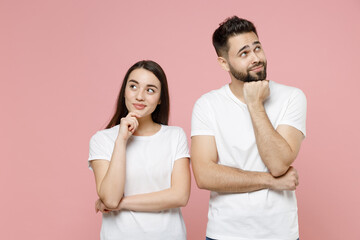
110,176
215,177
277,148
175,196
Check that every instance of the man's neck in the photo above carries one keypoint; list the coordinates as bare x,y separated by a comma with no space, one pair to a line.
236,87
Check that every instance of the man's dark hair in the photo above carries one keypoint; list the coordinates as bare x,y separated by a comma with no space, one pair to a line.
230,27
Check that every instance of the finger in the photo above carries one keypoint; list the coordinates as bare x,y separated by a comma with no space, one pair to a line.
134,119
130,124
134,124
131,127
133,114
296,182
105,211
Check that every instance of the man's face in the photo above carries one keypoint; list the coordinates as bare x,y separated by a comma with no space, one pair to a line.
246,59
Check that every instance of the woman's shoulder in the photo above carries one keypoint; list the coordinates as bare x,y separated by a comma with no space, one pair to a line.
109,134
173,130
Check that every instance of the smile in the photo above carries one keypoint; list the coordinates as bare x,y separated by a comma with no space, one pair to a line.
257,69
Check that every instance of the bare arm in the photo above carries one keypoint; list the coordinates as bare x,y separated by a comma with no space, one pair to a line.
175,196
277,148
215,177
110,176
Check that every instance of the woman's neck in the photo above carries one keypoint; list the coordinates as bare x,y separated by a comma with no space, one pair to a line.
147,127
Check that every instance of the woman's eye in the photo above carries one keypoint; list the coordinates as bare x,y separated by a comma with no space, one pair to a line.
151,90
257,48
132,86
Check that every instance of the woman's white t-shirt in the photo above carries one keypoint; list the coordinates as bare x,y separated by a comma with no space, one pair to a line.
149,164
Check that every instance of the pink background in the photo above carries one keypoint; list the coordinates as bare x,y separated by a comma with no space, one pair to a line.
61,66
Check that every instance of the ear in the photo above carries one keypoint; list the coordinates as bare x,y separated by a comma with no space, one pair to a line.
223,63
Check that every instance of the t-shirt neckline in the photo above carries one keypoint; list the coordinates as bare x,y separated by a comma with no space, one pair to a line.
151,136
234,98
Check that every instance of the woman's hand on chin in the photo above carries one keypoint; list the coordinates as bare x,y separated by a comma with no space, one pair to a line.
128,125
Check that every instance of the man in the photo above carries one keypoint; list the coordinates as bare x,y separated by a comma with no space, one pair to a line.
245,137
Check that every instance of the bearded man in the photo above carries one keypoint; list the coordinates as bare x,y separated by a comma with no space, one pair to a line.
245,137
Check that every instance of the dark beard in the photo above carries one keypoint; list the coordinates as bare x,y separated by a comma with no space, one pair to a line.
247,77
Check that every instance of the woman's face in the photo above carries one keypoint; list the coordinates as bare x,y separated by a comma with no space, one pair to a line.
142,92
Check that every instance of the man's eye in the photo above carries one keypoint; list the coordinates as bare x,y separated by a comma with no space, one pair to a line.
243,54
257,48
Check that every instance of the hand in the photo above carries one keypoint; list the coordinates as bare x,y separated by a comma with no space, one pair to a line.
128,125
99,206
256,92
288,181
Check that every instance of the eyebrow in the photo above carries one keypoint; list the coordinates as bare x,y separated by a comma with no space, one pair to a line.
148,85
247,46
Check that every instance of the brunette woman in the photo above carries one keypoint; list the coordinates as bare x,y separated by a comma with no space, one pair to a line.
141,165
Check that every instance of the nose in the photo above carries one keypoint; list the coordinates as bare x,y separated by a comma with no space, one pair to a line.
140,95
255,58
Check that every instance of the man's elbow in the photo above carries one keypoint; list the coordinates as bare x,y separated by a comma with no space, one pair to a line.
201,182
279,170
281,166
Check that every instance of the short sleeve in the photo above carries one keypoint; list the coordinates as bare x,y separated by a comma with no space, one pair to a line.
99,148
295,114
201,118
182,149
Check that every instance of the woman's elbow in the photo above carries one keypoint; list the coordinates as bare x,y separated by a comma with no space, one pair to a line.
111,204
182,199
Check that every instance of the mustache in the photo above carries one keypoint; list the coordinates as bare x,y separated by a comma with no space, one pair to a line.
257,65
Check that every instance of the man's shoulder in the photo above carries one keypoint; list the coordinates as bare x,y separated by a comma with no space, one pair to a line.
279,89
213,95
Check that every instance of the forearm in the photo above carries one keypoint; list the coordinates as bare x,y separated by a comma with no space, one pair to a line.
111,189
220,178
155,201
274,150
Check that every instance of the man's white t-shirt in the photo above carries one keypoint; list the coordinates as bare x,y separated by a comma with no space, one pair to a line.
264,214
149,164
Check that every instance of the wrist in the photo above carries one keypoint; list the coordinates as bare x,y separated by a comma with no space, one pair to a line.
269,181
255,106
122,204
120,142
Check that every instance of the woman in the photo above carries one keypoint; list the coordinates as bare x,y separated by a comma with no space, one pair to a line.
141,165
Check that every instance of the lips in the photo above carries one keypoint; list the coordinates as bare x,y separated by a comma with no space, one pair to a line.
139,106
257,68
